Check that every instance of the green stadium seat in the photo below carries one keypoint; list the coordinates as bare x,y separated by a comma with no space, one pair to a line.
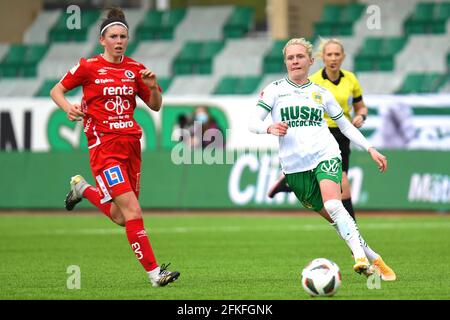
196,57
363,63
34,55
237,85
378,53
159,24
371,47
152,19
211,48
273,61
248,85
423,12
412,83
441,14
442,11
328,23
272,65
420,18
326,28
98,49
148,28
240,22
8,71
345,29
22,60
448,62
182,67
428,18
16,54
437,27
414,27
48,84
44,90
338,20
208,51
164,83
59,27
330,13
351,12
276,51
391,46
365,59
11,64
170,20
423,83
226,86
385,63
185,63
36,52
432,82
61,33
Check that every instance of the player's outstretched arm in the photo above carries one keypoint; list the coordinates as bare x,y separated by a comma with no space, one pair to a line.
356,137
380,159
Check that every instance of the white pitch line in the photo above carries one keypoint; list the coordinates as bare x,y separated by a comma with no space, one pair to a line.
299,227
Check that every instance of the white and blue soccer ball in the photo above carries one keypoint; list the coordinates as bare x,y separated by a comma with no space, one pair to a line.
321,278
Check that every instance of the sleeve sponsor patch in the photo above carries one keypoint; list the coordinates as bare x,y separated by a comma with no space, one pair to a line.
74,68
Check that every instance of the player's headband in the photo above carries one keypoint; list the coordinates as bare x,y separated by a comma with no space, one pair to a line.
113,23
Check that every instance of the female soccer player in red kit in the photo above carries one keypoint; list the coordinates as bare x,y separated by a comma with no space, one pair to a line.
110,84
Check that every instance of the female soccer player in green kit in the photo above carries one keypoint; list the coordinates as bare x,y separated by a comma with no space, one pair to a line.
309,154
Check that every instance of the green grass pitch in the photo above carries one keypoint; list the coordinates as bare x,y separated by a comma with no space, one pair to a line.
230,257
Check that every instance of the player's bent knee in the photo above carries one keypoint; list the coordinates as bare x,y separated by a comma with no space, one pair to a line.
334,207
118,219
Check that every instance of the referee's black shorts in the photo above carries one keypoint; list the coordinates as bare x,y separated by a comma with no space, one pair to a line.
344,145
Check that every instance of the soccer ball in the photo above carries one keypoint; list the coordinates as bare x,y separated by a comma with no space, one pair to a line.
321,278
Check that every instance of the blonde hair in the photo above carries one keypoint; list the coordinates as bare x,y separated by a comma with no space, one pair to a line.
324,42
300,41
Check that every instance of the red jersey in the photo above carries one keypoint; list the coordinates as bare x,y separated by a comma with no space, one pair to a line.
109,96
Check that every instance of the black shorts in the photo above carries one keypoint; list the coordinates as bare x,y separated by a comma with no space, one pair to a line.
344,145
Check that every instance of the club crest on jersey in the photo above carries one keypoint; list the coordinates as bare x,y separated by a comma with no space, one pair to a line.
331,167
317,97
129,74
113,176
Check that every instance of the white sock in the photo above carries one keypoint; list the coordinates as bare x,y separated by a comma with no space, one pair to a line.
371,255
81,187
346,227
153,273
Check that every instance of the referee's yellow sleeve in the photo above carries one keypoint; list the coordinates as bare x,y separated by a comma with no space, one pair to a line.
357,90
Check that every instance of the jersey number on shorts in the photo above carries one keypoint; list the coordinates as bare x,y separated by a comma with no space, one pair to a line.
113,175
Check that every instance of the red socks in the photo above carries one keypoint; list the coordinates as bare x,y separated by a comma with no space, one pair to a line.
137,237
91,193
